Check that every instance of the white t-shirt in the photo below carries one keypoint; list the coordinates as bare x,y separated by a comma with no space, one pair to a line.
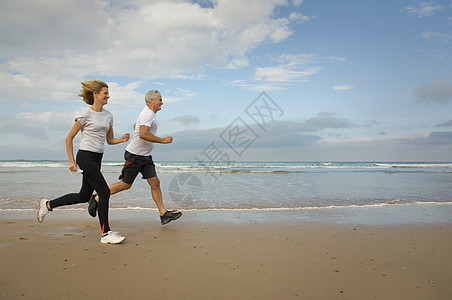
137,145
95,126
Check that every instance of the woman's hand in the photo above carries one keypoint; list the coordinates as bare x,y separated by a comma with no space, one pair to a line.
125,137
73,167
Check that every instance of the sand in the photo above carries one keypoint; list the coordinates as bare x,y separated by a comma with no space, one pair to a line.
213,255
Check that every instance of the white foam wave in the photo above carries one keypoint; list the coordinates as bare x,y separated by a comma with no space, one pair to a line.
200,167
269,209
32,164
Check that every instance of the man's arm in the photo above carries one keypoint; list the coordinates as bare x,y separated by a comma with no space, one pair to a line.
146,135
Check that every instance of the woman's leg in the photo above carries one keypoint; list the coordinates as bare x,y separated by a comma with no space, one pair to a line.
87,160
102,189
95,179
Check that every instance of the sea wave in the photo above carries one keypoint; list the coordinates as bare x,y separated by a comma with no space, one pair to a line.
267,209
33,164
193,166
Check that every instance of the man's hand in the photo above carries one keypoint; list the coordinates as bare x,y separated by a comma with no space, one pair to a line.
167,140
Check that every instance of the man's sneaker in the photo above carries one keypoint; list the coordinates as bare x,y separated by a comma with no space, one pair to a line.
43,210
170,215
92,205
111,237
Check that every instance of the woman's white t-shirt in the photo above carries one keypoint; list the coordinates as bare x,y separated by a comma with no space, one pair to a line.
95,126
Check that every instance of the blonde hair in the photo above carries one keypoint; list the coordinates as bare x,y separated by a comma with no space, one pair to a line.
151,95
89,87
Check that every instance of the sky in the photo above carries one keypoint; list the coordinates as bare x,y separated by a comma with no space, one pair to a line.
248,80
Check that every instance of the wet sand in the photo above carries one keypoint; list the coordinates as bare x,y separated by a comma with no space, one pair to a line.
226,255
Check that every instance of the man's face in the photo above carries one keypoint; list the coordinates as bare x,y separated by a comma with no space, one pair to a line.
156,104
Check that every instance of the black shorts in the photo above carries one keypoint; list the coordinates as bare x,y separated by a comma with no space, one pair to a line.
137,164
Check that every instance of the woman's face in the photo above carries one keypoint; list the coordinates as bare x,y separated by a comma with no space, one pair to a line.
102,96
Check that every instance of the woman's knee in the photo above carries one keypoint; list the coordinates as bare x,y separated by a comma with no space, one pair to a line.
104,193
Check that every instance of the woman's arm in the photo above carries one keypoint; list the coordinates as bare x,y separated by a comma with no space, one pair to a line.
111,140
70,145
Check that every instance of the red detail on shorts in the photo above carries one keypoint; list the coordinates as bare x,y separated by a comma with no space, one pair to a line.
130,162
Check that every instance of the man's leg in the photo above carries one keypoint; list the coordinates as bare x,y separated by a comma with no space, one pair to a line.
156,192
116,188
165,216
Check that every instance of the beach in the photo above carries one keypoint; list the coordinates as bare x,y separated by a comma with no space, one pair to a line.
391,252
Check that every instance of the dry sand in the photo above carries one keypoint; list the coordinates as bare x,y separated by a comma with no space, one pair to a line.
243,258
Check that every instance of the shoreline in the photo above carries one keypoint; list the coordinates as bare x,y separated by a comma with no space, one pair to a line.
380,253
390,214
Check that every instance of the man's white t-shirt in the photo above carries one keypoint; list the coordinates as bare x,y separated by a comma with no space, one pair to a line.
95,126
137,145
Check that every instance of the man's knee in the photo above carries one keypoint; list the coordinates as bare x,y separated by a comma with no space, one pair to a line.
119,186
125,186
154,182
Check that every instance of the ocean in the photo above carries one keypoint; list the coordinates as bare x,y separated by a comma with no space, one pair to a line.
241,186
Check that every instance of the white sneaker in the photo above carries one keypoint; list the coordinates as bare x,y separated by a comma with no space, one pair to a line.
112,237
43,210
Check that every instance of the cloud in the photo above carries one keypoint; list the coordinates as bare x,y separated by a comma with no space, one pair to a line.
423,9
441,37
431,138
58,119
33,77
440,138
172,99
284,74
256,87
15,126
140,40
33,128
337,59
186,93
173,96
299,18
184,120
287,69
343,87
297,2
277,133
124,96
324,121
439,91
445,124
290,140
48,28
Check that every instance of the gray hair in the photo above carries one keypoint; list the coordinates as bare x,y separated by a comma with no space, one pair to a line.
151,95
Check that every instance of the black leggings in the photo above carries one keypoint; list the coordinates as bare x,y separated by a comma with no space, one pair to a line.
90,163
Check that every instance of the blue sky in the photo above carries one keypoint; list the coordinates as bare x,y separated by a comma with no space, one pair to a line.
353,80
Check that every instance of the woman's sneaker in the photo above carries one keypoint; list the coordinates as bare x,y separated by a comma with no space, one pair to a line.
43,210
92,205
170,215
111,237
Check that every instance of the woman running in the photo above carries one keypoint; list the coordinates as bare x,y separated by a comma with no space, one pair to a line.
96,125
